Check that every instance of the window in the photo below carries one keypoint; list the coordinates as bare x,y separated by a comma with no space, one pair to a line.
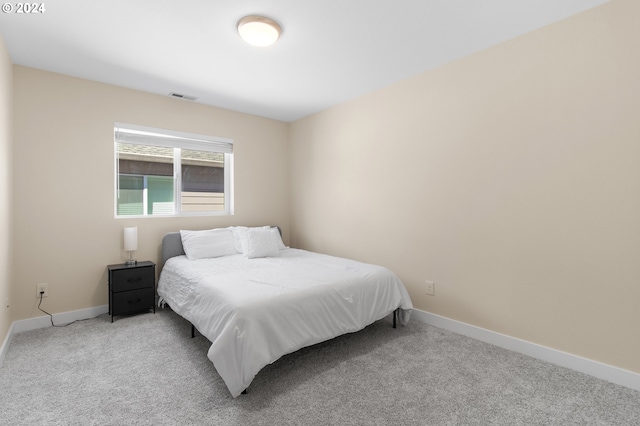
167,173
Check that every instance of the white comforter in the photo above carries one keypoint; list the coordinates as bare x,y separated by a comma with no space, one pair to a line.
256,310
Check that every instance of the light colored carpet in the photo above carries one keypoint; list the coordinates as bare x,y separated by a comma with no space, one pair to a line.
146,370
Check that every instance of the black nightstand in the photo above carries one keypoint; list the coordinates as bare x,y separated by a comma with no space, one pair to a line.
132,289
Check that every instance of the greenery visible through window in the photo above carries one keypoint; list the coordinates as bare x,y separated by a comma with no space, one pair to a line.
162,173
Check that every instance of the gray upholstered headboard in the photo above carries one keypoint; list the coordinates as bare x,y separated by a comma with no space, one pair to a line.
172,245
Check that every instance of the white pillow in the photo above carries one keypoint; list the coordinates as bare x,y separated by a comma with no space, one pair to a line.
240,237
209,243
261,242
278,238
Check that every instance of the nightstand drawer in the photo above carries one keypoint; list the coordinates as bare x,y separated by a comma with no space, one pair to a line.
132,278
127,302
132,288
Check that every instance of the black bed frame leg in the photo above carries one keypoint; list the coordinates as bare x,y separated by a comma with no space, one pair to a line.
395,315
193,331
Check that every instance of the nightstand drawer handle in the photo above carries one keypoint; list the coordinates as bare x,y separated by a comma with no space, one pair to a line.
134,280
134,302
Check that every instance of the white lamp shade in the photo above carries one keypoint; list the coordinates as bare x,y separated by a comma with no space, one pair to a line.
131,238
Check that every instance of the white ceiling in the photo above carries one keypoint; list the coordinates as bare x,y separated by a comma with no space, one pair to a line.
330,50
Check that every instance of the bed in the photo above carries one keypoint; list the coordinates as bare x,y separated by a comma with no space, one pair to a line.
256,308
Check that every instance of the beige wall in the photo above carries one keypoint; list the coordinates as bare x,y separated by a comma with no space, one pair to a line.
64,147
510,178
6,142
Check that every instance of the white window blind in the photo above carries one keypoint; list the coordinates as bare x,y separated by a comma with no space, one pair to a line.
129,133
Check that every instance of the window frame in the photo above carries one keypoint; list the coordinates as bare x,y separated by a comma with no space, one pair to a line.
151,136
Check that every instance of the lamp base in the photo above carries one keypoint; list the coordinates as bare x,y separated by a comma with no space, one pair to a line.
131,262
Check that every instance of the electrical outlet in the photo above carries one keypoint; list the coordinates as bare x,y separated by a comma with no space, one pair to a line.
42,288
430,287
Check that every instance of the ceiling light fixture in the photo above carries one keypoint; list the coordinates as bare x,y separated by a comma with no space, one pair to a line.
259,30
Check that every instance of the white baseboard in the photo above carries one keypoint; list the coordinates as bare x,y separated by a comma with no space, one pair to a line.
5,344
45,321
574,362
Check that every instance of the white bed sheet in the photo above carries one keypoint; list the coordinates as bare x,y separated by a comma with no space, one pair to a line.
254,311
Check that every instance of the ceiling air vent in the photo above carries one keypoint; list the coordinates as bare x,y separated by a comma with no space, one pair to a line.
179,96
